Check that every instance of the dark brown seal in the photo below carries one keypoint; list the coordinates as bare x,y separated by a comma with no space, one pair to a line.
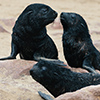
58,80
29,37
78,48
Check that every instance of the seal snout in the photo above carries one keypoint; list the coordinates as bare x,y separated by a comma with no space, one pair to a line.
55,13
62,14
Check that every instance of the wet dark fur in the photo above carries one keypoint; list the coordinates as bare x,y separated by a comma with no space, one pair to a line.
78,48
58,80
29,37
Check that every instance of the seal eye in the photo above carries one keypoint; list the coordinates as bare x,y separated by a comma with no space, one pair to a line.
44,11
44,68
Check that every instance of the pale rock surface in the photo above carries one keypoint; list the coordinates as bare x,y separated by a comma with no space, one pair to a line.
15,81
87,93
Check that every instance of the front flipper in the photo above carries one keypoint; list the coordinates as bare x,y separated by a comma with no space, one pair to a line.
8,58
44,96
41,52
87,64
14,52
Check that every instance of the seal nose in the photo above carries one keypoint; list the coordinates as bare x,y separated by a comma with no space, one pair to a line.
63,14
55,13
31,72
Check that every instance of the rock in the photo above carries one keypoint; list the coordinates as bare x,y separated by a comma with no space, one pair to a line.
17,84
15,81
6,25
96,32
79,70
18,94
87,93
2,29
75,69
16,68
8,22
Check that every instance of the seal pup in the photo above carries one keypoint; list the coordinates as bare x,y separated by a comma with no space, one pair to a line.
58,80
78,48
29,38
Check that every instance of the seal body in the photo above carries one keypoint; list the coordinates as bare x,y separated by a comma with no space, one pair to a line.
78,48
29,37
58,80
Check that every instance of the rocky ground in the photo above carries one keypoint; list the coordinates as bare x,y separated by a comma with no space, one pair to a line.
15,81
87,93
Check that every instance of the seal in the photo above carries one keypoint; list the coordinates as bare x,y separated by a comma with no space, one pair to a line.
29,38
58,80
78,48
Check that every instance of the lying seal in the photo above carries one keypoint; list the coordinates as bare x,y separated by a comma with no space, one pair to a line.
29,37
58,80
78,48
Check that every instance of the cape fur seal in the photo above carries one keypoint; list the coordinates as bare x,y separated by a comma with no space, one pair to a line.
58,80
29,37
78,48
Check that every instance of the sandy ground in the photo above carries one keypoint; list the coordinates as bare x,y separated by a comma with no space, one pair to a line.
11,9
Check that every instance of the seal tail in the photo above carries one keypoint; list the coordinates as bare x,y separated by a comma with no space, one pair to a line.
45,96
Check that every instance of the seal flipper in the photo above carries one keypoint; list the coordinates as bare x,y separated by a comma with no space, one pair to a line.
14,52
87,64
44,96
88,68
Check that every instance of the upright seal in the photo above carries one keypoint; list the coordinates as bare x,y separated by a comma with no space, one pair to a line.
29,37
78,48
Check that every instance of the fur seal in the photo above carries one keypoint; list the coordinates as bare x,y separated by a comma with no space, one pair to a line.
78,48
29,37
58,80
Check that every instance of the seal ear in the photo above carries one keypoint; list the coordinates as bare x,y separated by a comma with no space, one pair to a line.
54,61
27,13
